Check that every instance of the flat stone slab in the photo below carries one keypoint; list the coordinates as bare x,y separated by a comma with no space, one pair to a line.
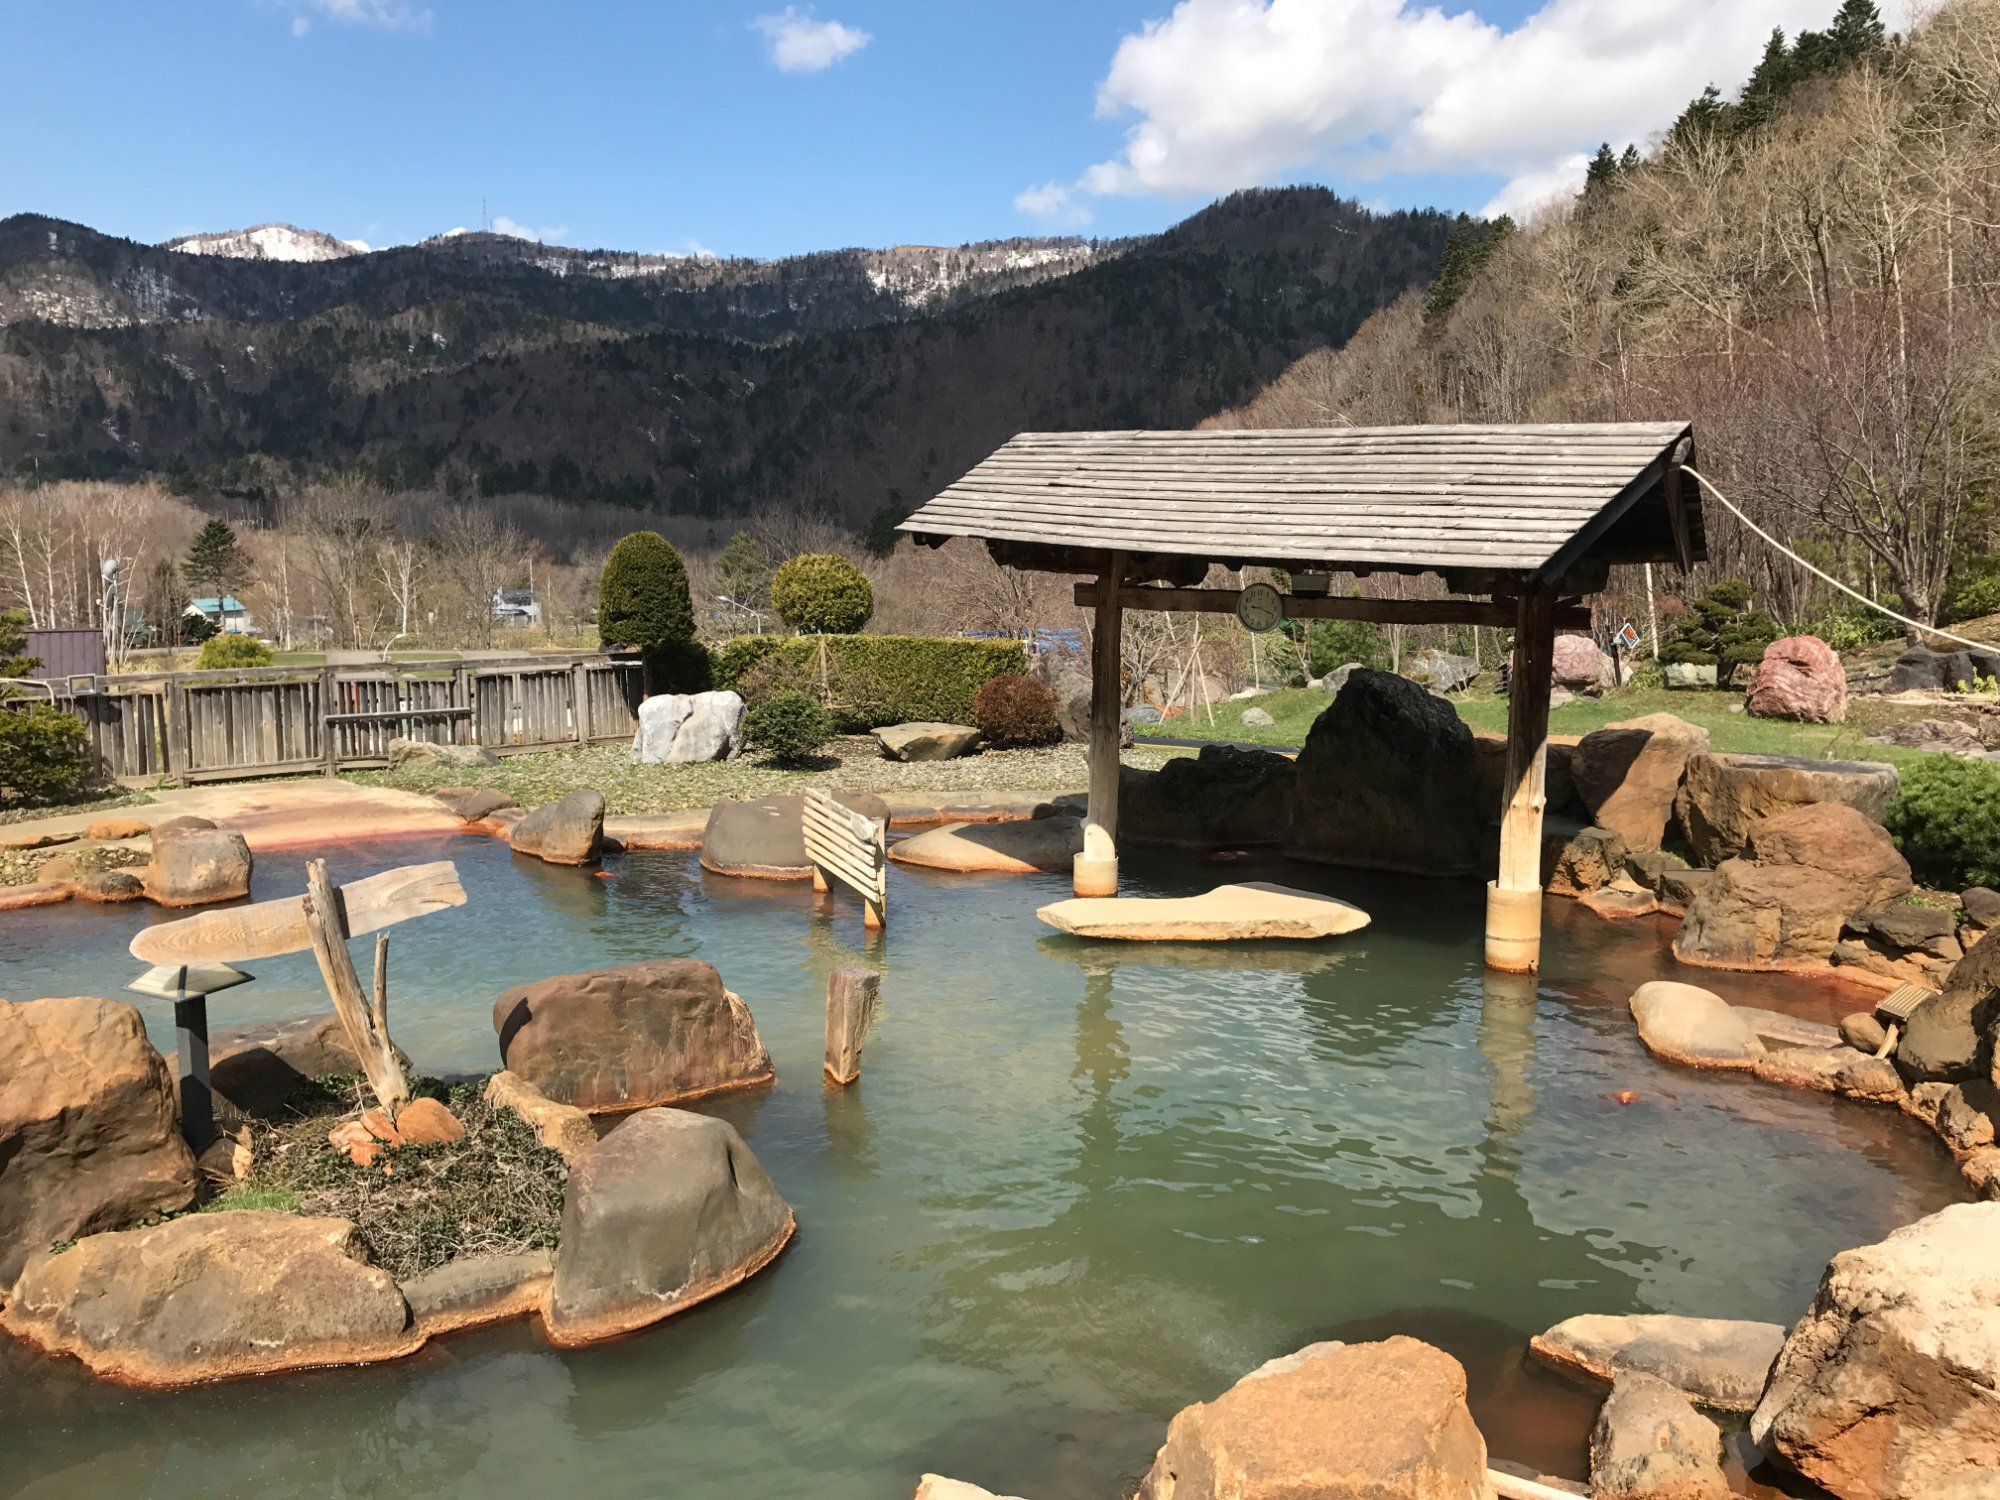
1686,1024
1227,914
1717,1362
926,740
1047,845
678,830
1792,1031
479,1289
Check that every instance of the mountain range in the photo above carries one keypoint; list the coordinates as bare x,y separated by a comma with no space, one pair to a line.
854,381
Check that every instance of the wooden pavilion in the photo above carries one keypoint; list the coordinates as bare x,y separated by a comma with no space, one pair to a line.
1520,522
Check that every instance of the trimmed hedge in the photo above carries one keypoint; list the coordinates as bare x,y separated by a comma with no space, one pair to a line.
906,676
1946,820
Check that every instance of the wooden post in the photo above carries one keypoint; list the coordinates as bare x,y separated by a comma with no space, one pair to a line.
1514,901
1095,870
326,923
329,705
579,700
174,758
850,1010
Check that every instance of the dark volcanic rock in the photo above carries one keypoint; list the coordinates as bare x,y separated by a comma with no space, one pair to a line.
1223,798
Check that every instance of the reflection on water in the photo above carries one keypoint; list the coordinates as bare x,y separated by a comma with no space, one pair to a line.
1078,1186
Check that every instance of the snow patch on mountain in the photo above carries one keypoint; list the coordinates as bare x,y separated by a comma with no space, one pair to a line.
268,242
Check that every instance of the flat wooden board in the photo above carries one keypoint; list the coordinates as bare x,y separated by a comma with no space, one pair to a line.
270,928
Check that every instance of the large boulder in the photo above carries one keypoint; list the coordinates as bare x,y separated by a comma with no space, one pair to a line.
196,866
568,831
1718,1362
1383,1421
1650,1444
88,1138
667,1210
1692,1026
1724,796
1627,774
259,1068
660,719
926,740
655,1032
406,753
1045,845
766,836
1889,1386
1580,665
1950,1038
1921,670
1810,870
1223,798
210,1296
1389,780
713,729
1801,678
1441,671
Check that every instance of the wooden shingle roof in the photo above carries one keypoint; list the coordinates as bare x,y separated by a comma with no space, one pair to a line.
1528,499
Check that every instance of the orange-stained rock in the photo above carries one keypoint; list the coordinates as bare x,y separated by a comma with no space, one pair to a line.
568,831
1383,1421
563,1128
425,1122
380,1127
112,829
88,1136
210,1296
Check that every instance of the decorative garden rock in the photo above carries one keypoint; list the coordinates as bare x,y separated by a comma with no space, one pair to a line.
1229,913
1723,797
1688,674
1920,670
667,1210
1951,1038
1381,1421
1224,798
1389,779
1981,906
88,1137
562,1128
1628,774
926,741
1863,1032
195,866
1440,671
1889,1386
1580,666
1810,869
1257,718
765,836
472,804
479,1289
1787,1030
655,1032
1801,678
1049,845
713,729
116,830
210,1296
1678,888
1589,861
1685,1024
110,887
258,1068
405,753
568,831
1651,1444
1719,1362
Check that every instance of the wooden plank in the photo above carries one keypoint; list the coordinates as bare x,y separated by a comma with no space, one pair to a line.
1500,613
270,928
397,715
848,847
850,1010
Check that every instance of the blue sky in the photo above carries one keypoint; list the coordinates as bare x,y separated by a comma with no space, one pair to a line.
758,129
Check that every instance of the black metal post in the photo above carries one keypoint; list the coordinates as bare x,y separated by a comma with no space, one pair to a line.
197,1103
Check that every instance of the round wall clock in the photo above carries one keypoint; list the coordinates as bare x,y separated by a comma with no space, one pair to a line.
1260,607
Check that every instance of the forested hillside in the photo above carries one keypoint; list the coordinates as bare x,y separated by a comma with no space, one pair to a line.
489,369
1807,270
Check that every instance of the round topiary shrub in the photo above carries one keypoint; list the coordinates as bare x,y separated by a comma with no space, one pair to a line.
643,605
1013,711
220,651
787,725
1946,819
44,755
823,594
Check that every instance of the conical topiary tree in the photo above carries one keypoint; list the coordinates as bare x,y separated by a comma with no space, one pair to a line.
643,605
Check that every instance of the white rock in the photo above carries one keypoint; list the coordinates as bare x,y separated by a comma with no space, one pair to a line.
660,719
1257,718
713,729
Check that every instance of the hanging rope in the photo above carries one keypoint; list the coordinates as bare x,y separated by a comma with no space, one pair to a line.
1882,609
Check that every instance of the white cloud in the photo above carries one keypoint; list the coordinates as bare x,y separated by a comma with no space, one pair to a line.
1233,93
1054,202
504,225
384,15
801,44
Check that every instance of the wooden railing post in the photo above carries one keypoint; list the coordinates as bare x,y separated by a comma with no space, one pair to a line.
1514,900
329,705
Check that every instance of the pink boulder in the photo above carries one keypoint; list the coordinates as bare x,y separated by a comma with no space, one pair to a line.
1800,677
1580,666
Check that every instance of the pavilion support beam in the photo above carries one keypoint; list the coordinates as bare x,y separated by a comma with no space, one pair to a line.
1095,871
1514,900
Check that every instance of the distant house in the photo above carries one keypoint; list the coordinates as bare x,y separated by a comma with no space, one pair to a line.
516,607
226,614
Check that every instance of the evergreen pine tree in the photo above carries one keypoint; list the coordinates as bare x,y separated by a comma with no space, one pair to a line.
1602,172
1628,161
1856,31
216,562
1771,80
744,570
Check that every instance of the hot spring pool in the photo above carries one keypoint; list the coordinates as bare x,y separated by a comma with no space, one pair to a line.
1076,1188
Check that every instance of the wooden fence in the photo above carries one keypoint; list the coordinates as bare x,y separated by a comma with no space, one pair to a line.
275,720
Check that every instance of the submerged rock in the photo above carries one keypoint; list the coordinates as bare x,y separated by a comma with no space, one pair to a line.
1650,1444
479,1289
1382,1421
1049,845
88,1136
1229,913
1718,1362
568,831
937,1487
1889,1386
667,1210
210,1296
1692,1026
656,1032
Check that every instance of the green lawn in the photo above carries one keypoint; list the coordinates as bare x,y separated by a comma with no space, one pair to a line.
1720,713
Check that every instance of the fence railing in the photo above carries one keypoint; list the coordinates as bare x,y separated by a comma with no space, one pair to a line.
274,720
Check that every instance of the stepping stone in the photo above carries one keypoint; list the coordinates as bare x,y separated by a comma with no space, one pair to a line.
1719,1362
926,741
1227,914
1047,845
1697,1028
1776,1026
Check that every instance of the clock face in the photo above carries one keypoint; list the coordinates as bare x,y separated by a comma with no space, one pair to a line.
1260,607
